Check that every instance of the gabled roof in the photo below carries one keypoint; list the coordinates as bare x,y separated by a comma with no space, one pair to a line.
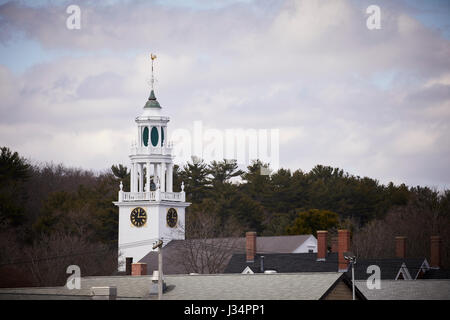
280,244
175,251
389,267
292,286
307,262
283,262
306,286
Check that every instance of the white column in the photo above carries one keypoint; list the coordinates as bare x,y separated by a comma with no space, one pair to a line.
141,177
136,177
132,177
158,174
139,136
154,173
169,177
159,136
163,177
148,177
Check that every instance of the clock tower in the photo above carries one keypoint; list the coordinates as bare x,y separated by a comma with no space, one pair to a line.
150,211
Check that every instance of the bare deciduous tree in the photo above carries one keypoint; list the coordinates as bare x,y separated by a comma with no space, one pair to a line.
45,261
49,258
210,244
377,238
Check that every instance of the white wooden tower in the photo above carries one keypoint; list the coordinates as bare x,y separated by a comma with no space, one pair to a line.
150,211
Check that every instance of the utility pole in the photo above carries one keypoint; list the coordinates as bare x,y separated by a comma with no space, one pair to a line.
353,278
158,245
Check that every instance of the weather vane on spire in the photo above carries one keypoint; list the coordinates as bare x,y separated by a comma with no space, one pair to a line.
153,57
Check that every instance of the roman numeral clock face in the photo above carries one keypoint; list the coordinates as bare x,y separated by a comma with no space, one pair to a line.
172,218
138,217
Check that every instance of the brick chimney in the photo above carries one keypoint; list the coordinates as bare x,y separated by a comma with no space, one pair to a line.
436,252
139,269
321,245
343,246
334,244
400,247
250,245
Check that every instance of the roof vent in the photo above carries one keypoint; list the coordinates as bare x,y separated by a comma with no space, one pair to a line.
156,275
270,271
154,284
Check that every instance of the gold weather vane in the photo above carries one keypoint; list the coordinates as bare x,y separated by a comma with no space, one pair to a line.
153,57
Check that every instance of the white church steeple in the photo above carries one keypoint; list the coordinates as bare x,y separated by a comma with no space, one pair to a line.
150,211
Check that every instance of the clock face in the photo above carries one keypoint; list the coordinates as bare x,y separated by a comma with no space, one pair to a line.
138,217
172,217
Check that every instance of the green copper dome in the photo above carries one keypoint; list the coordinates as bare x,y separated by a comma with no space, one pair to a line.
152,102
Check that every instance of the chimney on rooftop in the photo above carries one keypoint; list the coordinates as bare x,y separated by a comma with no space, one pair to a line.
436,252
400,247
343,246
139,269
250,246
321,245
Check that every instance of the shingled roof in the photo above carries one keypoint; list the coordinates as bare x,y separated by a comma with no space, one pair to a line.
307,262
437,274
283,262
175,251
407,290
391,268
293,286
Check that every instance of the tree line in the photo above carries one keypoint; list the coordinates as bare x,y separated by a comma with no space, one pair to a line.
50,210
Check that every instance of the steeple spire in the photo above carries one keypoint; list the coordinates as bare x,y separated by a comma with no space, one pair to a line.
153,57
152,101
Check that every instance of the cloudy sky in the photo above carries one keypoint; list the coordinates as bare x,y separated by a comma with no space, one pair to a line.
373,102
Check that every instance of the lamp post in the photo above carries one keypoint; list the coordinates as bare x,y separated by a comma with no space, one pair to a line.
158,245
350,257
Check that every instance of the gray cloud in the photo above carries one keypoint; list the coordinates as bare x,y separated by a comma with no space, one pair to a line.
375,103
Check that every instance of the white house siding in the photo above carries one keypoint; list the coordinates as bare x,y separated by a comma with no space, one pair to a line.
309,244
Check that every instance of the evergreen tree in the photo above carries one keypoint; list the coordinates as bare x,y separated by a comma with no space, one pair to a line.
122,174
220,172
14,172
194,175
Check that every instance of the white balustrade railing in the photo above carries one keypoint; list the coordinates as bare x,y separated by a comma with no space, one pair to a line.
174,196
164,150
151,196
133,196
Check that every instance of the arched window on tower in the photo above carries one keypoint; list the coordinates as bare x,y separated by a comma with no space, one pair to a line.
154,136
145,136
